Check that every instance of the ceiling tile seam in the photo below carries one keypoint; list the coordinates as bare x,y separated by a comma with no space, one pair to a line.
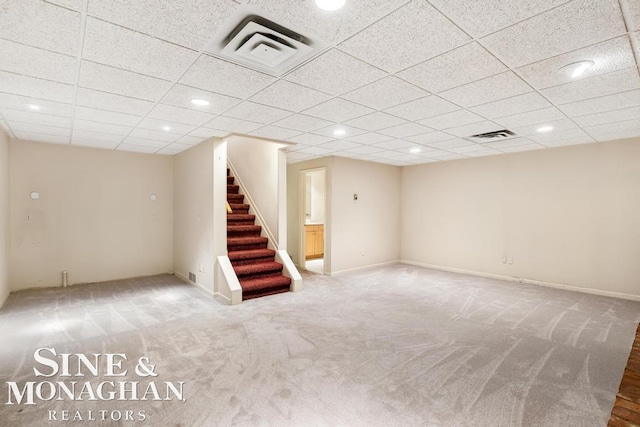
61,6
35,112
559,106
471,41
37,47
81,34
37,78
123,69
10,130
592,77
631,29
40,123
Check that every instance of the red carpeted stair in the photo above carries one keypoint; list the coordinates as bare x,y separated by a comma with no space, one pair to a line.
258,272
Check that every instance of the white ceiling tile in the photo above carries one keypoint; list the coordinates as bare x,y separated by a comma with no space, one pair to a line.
69,4
180,115
339,145
350,155
181,96
21,59
607,56
394,144
571,141
297,147
610,136
37,128
521,148
385,93
335,72
302,123
86,113
135,148
384,46
531,117
110,102
190,140
36,118
375,121
40,24
309,139
208,133
608,117
430,138
599,130
493,88
17,84
449,120
386,154
470,148
423,108
167,19
86,135
223,77
480,18
337,110
298,157
370,138
274,132
154,135
81,142
605,103
475,128
121,82
159,125
559,135
365,149
101,127
251,111
232,125
41,137
174,149
405,130
316,151
604,84
488,152
120,47
289,96
515,105
571,26
346,131
460,66
508,143
18,102
532,130
449,144
145,142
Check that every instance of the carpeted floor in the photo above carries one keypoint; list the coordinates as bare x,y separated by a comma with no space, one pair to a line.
398,345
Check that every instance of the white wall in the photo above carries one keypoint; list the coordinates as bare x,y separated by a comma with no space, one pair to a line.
317,190
4,217
566,215
257,163
360,233
94,217
193,214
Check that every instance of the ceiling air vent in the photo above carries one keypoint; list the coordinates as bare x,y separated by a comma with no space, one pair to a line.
497,135
257,42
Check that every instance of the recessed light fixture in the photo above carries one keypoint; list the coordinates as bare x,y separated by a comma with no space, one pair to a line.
544,129
576,69
330,5
35,107
200,102
166,128
415,150
339,132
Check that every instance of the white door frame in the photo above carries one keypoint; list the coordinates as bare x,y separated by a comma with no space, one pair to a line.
302,193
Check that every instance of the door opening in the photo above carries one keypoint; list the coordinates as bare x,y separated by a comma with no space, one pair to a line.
313,230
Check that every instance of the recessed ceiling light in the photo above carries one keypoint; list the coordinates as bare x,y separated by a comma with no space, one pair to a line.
166,128
339,132
200,102
576,69
330,5
544,129
415,150
35,107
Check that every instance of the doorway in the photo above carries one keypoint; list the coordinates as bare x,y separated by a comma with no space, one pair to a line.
314,224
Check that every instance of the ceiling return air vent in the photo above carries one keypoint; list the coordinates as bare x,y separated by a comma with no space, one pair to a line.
254,41
498,135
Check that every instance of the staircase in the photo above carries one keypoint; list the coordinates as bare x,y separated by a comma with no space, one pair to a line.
254,264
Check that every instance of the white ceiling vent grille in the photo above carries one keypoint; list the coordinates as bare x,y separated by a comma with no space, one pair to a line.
259,43
498,135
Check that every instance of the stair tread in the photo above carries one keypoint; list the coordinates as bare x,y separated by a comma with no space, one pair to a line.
251,253
238,205
245,227
240,217
258,268
245,240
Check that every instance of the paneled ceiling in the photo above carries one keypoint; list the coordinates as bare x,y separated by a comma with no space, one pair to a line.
400,82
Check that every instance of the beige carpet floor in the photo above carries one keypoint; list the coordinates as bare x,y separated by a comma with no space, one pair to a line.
396,346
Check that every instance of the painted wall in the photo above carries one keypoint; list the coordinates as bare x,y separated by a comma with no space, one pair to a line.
193,214
256,163
94,217
4,217
566,215
316,212
360,233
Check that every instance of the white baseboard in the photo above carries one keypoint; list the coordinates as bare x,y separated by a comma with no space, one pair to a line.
366,267
528,281
200,287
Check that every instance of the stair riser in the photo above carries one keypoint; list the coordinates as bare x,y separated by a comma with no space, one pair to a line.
233,189
244,234
247,247
252,261
230,180
235,198
260,275
241,222
252,295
